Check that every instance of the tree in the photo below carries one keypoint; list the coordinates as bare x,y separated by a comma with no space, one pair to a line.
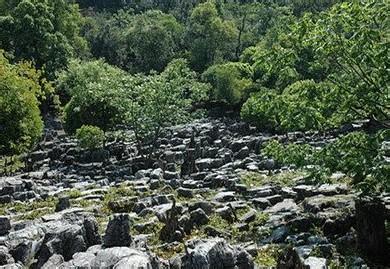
135,42
353,38
45,32
164,100
230,81
105,33
98,95
304,105
326,50
21,87
105,96
254,20
152,40
75,79
209,37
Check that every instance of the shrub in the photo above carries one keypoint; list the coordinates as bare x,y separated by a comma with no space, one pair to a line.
261,109
352,154
78,75
146,104
90,137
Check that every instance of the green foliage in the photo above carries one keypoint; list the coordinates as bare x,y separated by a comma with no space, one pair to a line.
304,105
352,154
137,43
359,155
210,37
152,40
78,75
21,87
10,165
298,154
90,137
30,210
318,73
253,20
230,81
46,32
98,95
164,100
104,96
353,38
268,256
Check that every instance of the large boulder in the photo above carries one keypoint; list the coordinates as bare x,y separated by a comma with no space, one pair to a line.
62,234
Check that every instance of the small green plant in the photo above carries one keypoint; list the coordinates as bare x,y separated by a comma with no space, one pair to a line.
74,193
90,137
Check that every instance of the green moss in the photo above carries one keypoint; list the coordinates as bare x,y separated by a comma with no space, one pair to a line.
32,210
218,222
84,203
267,257
73,194
253,231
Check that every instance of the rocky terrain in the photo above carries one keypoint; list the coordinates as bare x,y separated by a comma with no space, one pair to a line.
208,200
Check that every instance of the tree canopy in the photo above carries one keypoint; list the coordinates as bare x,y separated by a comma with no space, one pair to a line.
21,88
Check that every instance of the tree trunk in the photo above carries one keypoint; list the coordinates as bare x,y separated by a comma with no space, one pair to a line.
370,227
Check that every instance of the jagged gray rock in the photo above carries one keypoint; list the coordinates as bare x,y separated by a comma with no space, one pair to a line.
118,231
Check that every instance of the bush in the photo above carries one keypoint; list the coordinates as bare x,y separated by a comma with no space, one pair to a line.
20,121
352,154
90,137
230,81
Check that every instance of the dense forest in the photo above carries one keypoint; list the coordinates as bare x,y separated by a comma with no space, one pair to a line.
107,68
